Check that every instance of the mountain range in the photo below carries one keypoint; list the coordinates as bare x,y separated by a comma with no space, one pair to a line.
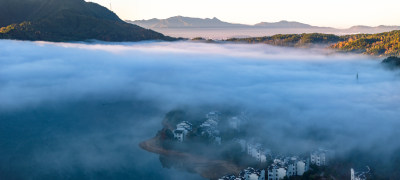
66,20
78,20
185,22
208,27
190,22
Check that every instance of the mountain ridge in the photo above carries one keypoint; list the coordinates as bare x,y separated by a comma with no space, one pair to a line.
217,23
72,20
214,28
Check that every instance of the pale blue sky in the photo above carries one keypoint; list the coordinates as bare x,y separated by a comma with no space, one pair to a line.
338,13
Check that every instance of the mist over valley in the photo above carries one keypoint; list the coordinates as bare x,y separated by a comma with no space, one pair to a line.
80,110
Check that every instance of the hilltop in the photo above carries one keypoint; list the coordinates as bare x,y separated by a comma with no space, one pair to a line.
62,20
284,24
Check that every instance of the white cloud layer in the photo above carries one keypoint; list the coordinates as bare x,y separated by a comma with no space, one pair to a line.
290,92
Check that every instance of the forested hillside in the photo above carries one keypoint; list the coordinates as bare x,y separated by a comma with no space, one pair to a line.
387,43
292,40
382,44
66,20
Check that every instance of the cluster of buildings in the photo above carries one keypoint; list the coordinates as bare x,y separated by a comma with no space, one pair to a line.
359,175
282,167
208,128
247,174
295,166
279,168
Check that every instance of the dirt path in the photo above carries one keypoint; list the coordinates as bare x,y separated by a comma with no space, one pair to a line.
207,168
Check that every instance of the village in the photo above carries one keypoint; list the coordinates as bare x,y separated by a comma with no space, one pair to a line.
275,166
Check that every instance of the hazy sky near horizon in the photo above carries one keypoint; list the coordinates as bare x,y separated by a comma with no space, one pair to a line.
338,13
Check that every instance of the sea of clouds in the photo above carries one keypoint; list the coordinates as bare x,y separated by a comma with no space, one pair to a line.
79,109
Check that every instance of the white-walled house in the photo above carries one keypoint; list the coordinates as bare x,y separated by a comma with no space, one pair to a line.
181,131
291,169
296,166
301,167
276,172
319,157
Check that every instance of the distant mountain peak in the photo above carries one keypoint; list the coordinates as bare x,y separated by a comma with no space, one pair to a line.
284,24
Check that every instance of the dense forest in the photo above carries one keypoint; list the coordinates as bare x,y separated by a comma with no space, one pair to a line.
387,44
292,40
382,44
72,20
392,62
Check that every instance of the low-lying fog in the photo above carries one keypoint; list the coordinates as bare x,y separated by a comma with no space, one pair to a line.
78,111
